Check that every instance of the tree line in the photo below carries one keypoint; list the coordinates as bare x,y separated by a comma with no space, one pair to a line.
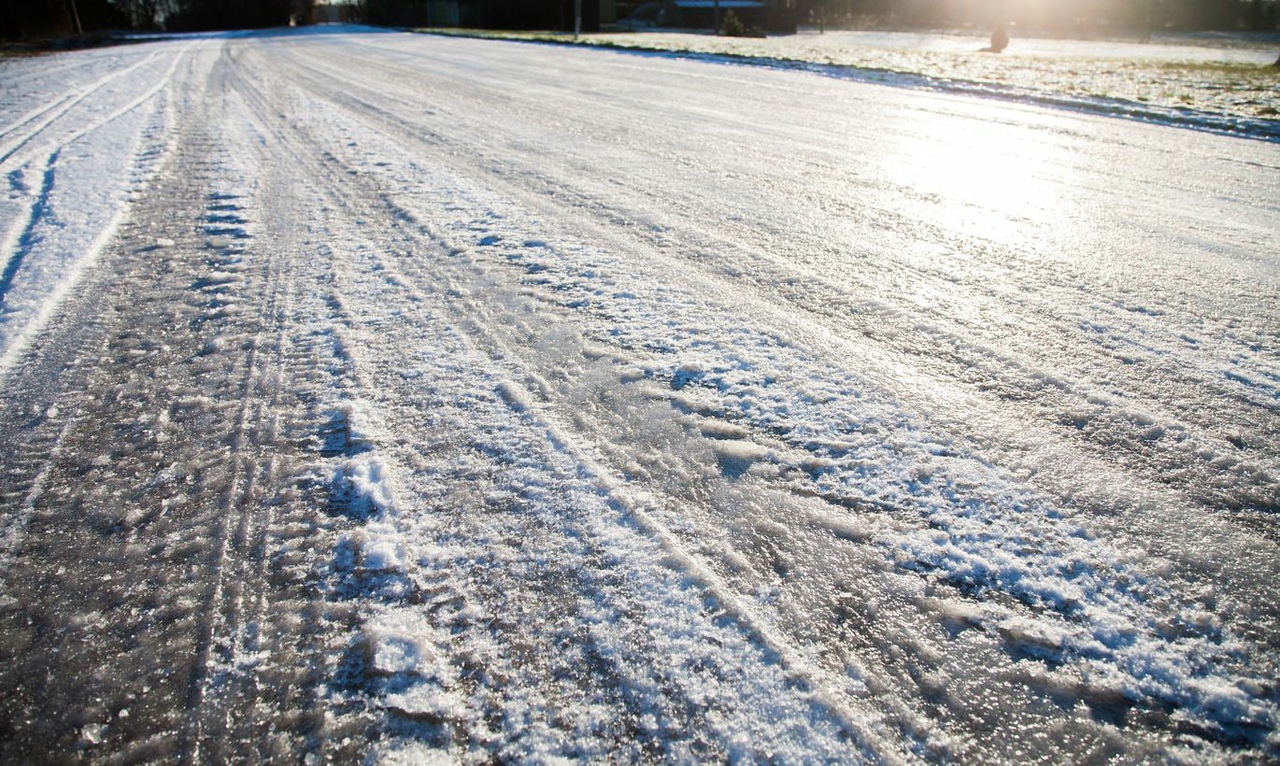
25,19
35,19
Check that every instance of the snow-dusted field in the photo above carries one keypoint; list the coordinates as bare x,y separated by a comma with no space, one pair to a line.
369,395
1220,83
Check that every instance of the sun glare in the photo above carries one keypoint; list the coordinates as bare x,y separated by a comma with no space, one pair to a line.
979,175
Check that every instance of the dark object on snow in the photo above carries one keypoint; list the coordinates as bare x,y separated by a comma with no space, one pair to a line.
734,27
999,40
1277,64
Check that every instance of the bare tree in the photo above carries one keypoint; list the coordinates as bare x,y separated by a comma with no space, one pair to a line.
147,14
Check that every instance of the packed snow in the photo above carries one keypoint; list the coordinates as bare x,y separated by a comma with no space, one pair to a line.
414,399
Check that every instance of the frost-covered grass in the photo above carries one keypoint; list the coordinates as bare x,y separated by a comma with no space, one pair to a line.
1177,73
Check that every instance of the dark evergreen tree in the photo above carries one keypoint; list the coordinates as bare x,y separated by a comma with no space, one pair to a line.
44,19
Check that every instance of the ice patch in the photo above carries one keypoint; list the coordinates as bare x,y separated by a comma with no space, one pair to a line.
515,397
409,753
394,649
736,457
722,429
738,449
214,346
359,423
92,734
425,703
370,480
220,278
380,550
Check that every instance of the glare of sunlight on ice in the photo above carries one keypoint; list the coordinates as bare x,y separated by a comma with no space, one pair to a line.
979,176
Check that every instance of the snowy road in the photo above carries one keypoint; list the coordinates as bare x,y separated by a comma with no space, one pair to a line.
376,395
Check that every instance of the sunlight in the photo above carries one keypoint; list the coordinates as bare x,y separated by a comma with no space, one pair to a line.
976,174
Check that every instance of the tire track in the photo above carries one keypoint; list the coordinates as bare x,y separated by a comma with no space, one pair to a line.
168,602
41,118
418,288
22,238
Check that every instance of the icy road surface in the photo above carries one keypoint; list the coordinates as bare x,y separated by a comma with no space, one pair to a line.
375,395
